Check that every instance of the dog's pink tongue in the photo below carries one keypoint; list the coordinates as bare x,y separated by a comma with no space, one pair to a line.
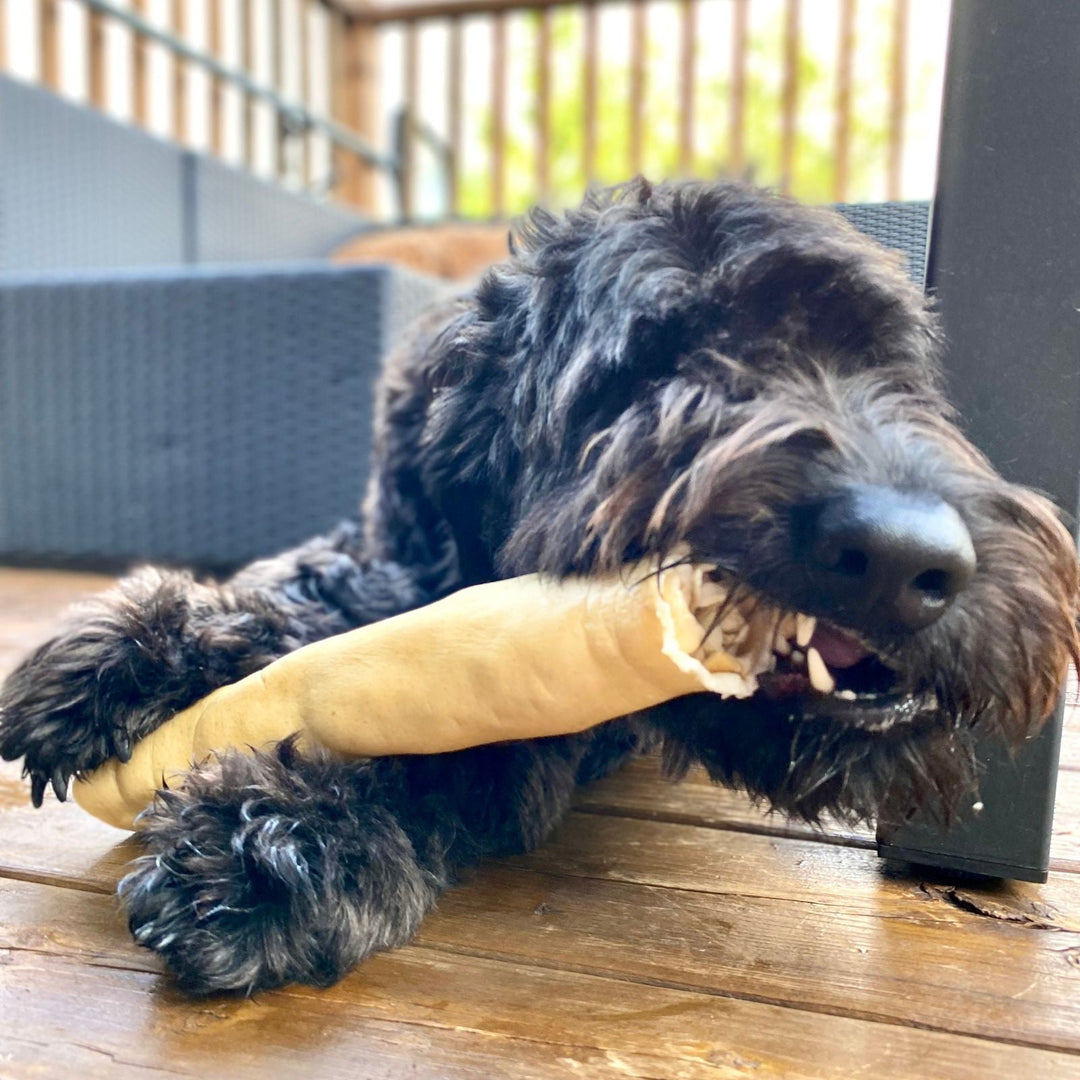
838,650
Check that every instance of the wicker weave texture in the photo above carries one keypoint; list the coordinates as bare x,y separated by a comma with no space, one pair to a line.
209,417
189,418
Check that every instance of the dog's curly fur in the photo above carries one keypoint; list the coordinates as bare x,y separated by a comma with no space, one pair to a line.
682,366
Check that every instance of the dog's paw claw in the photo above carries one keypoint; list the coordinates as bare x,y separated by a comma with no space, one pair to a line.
37,789
122,745
59,783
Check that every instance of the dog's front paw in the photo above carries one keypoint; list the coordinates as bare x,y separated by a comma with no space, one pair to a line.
268,869
129,660
60,711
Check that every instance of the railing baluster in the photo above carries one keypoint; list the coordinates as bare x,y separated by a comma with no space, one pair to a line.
590,94
687,84
790,95
349,39
246,19
97,86
179,67
217,88
498,113
543,105
304,68
343,166
737,115
49,29
897,99
638,32
408,142
140,70
277,79
844,64
454,83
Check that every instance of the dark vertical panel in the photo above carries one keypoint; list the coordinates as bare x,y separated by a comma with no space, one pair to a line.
1005,265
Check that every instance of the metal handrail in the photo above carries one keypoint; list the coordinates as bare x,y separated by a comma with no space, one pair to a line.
294,116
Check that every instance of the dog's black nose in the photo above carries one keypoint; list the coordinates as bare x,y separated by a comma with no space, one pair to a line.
895,559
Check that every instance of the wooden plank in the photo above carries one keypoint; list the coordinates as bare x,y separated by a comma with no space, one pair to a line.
498,116
49,31
687,83
344,167
886,950
789,104
1070,742
897,99
97,81
740,34
303,46
455,85
638,36
215,46
842,127
640,791
1065,836
140,70
245,15
59,843
355,97
381,14
543,105
590,77
179,69
66,1019
32,602
277,81
75,992
354,103
704,860
410,63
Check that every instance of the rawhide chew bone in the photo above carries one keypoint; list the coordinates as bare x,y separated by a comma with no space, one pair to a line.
512,659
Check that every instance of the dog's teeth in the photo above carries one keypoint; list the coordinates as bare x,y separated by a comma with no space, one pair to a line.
820,679
781,644
847,695
798,659
804,629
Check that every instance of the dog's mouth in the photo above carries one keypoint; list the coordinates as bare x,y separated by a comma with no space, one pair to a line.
809,667
824,671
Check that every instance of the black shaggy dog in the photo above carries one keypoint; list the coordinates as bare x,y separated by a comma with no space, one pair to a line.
679,367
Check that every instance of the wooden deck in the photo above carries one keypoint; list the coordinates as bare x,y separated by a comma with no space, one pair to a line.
666,931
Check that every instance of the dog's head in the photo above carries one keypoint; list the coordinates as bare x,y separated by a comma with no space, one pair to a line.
714,368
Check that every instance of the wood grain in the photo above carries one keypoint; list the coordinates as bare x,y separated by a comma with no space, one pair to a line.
665,930
543,105
49,43
179,70
140,70
78,996
740,44
845,57
897,99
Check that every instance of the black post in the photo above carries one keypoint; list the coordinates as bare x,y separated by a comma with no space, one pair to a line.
1005,265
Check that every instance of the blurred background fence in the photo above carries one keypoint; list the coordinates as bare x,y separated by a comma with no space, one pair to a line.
475,108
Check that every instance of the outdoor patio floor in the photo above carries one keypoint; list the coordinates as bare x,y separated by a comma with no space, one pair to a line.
664,931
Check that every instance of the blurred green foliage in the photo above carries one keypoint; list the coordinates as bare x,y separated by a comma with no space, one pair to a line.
814,162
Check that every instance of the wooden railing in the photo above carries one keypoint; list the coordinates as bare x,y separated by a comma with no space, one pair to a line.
322,91
344,75
680,22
